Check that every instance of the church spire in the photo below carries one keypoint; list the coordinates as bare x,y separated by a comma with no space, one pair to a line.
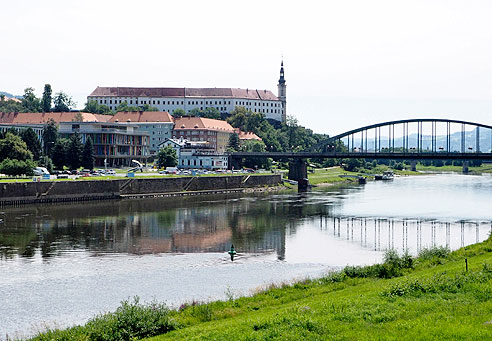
282,79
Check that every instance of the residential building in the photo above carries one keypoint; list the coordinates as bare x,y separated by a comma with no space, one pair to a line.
215,132
223,99
158,124
196,155
117,143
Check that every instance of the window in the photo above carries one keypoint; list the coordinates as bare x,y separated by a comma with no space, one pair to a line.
153,102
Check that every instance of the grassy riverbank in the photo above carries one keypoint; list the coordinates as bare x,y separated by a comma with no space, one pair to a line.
485,168
429,297
332,176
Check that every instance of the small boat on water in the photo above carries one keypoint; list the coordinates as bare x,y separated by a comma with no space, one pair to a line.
388,175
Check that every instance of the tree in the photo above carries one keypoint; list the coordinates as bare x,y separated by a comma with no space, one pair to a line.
179,112
12,147
96,108
63,102
59,153
88,154
50,136
46,162
30,102
46,100
257,147
32,142
17,167
234,142
75,149
211,112
166,157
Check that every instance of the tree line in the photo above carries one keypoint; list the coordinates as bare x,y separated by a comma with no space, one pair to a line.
59,102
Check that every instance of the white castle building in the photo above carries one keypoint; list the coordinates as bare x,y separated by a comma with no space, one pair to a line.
223,99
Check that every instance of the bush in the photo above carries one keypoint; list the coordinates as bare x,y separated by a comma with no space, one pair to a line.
392,266
131,320
16,167
433,253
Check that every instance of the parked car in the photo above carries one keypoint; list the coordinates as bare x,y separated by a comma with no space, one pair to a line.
110,172
39,171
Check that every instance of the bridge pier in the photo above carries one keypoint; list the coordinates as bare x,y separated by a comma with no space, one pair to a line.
466,164
413,165
298,172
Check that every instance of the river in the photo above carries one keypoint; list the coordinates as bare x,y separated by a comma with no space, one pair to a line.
62,264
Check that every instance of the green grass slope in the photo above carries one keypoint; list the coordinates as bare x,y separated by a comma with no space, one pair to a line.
433,297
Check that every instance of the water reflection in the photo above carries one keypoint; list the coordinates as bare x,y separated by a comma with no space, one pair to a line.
254,224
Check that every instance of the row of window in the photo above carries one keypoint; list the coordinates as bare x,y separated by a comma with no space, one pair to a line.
158,102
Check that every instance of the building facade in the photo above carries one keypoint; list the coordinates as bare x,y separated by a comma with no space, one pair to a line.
117,143
225,100
158,124
196,155
215,132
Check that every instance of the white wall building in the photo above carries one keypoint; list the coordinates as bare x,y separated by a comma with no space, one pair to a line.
196,155
223,99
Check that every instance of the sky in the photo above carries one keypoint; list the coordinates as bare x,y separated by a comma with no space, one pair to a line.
347,63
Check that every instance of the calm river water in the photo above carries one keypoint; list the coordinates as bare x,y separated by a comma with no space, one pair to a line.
62,264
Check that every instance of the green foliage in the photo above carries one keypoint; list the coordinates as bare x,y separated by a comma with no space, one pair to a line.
17,167
7,105
166,157
88,154
62,102
59,153
46,100
12,147
392,266
443,283
209,112
96,108
32,142
131,321
353,165
179,112
233,144
256,147
433,253
74,152
30,102
50,136
45,161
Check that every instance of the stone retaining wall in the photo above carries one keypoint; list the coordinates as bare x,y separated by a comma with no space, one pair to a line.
58,191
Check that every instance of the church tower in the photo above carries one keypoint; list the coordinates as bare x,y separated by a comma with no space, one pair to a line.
282,94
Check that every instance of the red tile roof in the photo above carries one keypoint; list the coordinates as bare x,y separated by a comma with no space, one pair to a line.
142,116
184,92
248,135
41,118
187,123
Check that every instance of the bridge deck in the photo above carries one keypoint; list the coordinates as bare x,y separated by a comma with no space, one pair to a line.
366,155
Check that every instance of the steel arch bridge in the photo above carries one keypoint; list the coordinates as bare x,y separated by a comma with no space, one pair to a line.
380,141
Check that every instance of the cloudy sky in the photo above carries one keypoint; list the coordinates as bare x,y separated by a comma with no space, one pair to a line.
347,63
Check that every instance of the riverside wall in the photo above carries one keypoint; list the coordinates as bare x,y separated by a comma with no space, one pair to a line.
65,191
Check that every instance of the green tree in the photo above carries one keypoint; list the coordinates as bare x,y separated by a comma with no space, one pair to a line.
59,153
211,112
233,144
88,154
166,157
46,162
179,112
32,142
63,102
46,100
257,147
75,149
7,105
17,167
30,102
12,147
95,108
50,136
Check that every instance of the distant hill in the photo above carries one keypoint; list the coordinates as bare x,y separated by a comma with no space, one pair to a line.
7,94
